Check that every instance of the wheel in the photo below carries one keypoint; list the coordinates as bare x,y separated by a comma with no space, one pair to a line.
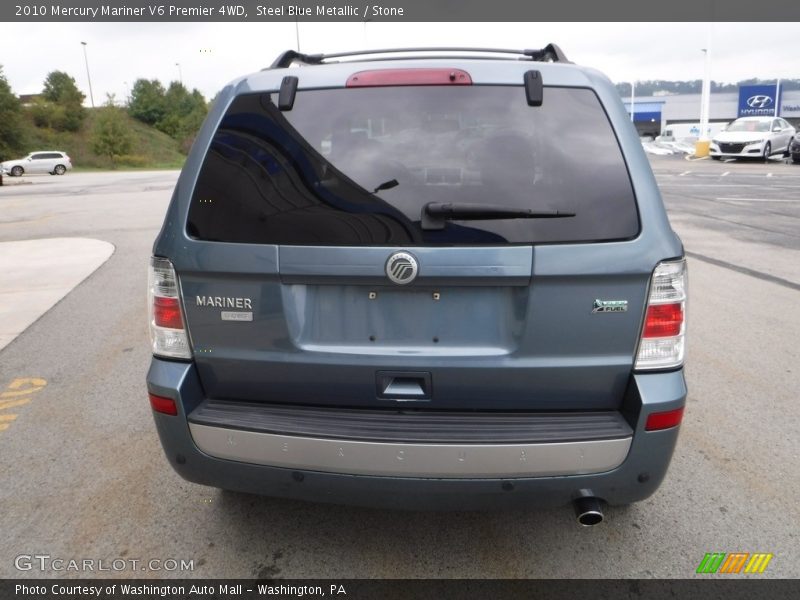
60,170
796,159
767,151
17,171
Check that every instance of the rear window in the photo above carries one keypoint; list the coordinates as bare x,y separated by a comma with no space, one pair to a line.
312,175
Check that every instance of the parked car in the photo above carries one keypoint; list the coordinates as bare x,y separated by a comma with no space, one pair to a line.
794,149
752,137
420,281
47,161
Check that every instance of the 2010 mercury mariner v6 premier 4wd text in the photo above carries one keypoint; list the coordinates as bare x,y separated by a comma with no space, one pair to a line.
420,278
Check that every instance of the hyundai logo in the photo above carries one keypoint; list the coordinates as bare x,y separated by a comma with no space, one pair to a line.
759,101
401,268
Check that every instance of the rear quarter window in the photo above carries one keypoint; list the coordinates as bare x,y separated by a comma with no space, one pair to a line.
311,176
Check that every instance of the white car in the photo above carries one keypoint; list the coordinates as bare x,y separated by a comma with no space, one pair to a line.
46,161
753,137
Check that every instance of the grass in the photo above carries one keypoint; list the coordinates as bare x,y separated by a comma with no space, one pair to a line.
152,149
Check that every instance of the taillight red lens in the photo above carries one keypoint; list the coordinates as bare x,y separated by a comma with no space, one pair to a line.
163,405
664,420
167,312
386,77
663,320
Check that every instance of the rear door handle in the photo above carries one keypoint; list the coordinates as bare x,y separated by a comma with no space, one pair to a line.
403,385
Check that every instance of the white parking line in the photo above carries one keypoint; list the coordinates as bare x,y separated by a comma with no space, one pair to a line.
705,185
684,173
761,199
725,174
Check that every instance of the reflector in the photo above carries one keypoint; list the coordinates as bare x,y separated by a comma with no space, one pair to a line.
664,420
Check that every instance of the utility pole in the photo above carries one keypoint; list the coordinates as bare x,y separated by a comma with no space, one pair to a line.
89,77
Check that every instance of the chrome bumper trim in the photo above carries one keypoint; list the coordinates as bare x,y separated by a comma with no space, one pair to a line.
449,461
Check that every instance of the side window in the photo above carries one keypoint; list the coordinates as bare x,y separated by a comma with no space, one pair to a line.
38,156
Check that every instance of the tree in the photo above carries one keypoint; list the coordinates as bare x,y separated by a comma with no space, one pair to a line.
59,87
147,103
11,138
175,111
61,105
111,136
185,113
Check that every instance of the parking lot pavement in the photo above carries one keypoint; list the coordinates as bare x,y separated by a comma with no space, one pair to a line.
739,215
35,274
82,474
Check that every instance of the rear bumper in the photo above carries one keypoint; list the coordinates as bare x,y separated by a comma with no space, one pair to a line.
619,470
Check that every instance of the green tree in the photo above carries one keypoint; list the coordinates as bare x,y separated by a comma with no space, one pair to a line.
59,87
147,103
61,104
185,113
11,136
111,136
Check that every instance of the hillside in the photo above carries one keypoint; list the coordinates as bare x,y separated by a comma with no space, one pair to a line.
152,149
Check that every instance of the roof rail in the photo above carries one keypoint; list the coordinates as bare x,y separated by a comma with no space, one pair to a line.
550,53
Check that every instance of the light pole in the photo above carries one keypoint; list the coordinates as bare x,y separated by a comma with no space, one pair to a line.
89,77
180,73
705,96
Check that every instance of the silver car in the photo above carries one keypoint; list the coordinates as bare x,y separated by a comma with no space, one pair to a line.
752,137
54,162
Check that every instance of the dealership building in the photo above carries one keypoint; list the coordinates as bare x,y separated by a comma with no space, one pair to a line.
653,113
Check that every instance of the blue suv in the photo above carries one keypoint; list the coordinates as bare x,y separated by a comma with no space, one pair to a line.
421,278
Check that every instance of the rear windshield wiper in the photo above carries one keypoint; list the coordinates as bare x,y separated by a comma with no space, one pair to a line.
434,214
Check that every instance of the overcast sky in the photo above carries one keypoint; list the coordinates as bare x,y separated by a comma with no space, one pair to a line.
211,54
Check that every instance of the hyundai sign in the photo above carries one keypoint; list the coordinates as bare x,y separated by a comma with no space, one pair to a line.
758,100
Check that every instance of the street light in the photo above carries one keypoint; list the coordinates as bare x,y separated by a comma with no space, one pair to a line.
705,95
89,77
180,73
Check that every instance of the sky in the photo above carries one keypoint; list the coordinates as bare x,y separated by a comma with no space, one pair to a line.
211,54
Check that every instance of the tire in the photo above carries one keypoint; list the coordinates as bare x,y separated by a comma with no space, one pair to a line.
17,171
59,170
767,151
796,159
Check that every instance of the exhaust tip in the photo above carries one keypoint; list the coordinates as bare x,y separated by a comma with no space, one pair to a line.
588,511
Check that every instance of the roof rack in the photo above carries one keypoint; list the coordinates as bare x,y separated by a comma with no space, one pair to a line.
550,53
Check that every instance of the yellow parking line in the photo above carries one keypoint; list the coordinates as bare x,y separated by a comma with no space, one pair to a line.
13,403
23,386
18,393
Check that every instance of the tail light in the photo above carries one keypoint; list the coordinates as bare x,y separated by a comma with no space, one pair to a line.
662,345
167,331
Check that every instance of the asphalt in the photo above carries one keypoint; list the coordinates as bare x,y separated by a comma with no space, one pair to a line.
82,474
